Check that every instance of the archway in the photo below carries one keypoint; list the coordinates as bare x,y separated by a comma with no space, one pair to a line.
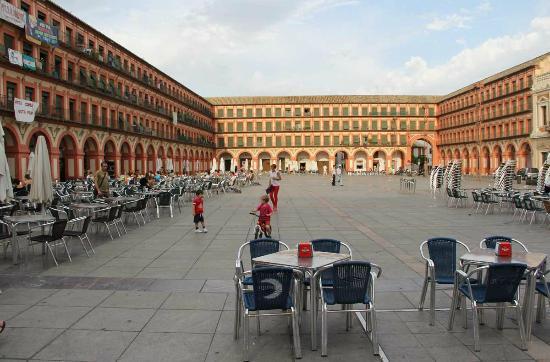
360,161
497,157
485,161
126,158
244,158
465,161
476,162
68,167
379,161
11,145
32,147
341,157
303,161
91,155
109,152
225,158
160,164
139,159
524,155
510,152
283,159
170,167
151,159
264,159
397,160
323,162
422,155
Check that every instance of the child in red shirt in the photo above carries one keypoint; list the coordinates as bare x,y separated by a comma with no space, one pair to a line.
198,209
264,220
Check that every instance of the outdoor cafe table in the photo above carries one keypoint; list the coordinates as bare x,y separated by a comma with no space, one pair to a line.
535,262
90,208
289,258
15,220
120,199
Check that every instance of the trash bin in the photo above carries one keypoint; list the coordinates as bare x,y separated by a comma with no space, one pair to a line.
518,179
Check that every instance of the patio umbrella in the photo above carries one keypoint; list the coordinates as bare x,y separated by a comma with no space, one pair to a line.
6,189
31,161
222,165
159,164
170,165
280,165
41,175
253,165
214,166
232,165
246,164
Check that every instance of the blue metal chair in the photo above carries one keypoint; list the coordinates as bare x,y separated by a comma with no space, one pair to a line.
258,247
500,286
440,268
491,241
352,283
327,246
273,289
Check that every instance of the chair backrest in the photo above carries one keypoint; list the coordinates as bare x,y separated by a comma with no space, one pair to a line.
113,212
265,246
502,282
443,254
517,202
54,212
58,228
326,245
271,287
351,281
490,242
119,212
475,196
528,203
165,198
85,224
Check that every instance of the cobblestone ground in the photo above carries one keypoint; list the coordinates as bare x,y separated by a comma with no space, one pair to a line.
162,292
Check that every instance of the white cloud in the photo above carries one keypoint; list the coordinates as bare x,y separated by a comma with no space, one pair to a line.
448,22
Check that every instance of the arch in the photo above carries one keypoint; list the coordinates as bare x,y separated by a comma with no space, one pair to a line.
323,162
465,155
33,136
264,160
525,155
485,161
284,161
344,160
422,153
304,163
110,154
397,160
475,164
361,159
139,158
379,160
497,157
12,147
68,165
125,158
151,159
226,157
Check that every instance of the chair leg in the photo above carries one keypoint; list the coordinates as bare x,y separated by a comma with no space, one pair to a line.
236,327
464,312
51,252
424,291
258,327
432,302
67,249
109,231
296,335
324,330
84,246
541,305
374,332
245,335
137,221
454,307
476,326
522,334
89,242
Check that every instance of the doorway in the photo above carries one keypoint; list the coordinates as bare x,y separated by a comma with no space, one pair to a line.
266,165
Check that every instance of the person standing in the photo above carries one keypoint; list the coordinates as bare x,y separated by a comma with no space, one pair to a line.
325,170
101,180
339,175
198,210
274,178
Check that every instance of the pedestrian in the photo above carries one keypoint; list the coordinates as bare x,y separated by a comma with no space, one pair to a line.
264,218
274,178
334,175
198,210
339,175
325,170
101,180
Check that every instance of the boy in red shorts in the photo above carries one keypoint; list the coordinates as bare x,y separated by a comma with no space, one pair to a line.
198,209
265,210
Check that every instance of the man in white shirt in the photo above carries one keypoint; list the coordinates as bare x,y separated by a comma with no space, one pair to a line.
339,175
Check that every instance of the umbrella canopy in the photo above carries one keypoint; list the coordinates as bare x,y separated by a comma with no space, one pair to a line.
246,164
253,166
222,165
170,165
214,165
31,162
232,165
41,175
6,188
159,164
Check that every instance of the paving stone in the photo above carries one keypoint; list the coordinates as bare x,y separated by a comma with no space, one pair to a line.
25,342
132,299
76,298
49,317
115,319
202,301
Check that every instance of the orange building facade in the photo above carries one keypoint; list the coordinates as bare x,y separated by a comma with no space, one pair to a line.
97,101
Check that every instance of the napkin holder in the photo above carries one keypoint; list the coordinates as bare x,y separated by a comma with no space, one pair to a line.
503,249
305,250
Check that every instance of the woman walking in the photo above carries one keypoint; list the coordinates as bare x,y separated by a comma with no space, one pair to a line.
274,178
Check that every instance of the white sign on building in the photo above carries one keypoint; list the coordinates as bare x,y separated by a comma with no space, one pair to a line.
24,110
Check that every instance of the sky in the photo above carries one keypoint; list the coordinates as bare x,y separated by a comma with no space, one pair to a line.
317,47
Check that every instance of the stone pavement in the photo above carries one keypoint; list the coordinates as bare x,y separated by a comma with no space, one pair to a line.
164,293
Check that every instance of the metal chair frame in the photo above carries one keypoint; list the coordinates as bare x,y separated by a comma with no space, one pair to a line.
370,310
81,234
56,235
429,278
483,243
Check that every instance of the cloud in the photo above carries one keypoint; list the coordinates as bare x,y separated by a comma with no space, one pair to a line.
448,22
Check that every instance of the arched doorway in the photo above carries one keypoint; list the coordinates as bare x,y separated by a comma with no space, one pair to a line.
283,161
360,161
397,160
11,145
225,158
32,146
379,161
465,161
510,152
126,158
264,160
323,161
475,161
421,155
68,167
341,158
524,155
485,161
91,155
497,157
109,152
139,156
150,158
303,161
245,159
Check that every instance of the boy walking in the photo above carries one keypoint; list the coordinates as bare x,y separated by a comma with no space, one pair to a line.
198,209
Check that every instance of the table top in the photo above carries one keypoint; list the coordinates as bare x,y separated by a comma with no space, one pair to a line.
488,256
290,258
25,197
84,205
17,219
120,199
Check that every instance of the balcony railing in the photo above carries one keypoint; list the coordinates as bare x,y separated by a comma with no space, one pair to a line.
47,112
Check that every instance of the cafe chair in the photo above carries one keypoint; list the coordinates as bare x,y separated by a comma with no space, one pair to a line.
543,289
82,233
499,286
274,288
257,248
165,200
54,238
490,242
440,268
327,246
108,217
352,282
136,208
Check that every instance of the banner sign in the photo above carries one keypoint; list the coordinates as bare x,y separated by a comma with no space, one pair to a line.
29,62
15,57
24,110
175,117
41,31
12,14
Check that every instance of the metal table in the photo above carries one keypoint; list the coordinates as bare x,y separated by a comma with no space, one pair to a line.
290,258
13,221
535,262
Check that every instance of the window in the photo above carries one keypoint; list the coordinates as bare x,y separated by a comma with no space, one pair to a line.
403,125
346,125
402,111
230,142
240,142
278,112
79,40
221,142
374,125
345,111
268,142
239,113
326,111
288,112
72,109
25,7
288,126
326,125
8,41
336,125
250,142
249,112
346,140
278,141
355,111
258,112
230,112
288,141
230,127
431,111
316,125
335,111
27,49
268,112
364,125
335,140
307,141
239,126
268,127
374,111
29,93
364,111
297,112
402,140
45,102
317,140
384,124
258,126
11,89
220,113
355,125
40,15
384,111
278,126
326,141
412,125
68,35
220,127
249,126
393,111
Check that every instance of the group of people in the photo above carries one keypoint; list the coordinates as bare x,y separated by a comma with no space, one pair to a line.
22,187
